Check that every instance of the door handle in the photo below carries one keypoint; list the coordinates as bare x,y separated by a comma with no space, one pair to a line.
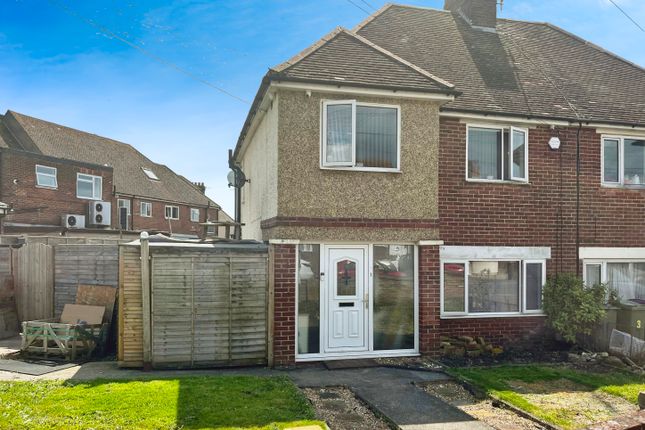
366,300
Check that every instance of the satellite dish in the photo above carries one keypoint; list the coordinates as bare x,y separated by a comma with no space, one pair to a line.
231,178
236,178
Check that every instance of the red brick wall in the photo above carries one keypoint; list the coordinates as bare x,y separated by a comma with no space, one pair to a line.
284,281
18,188
527,214
158,222
486,214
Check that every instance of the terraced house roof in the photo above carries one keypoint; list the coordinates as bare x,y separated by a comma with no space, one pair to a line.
526,68
54,140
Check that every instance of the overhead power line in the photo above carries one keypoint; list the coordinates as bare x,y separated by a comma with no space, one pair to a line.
106,31
359,6
368,4
627,15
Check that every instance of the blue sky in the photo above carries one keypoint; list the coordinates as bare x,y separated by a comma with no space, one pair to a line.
57,67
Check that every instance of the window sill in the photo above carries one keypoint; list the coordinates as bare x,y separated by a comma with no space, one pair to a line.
624,186
145,216
498,182
172,219
89,198
44,187
493,315
361,169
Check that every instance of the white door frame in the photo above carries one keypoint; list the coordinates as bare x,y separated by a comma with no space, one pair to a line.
370,314
328,295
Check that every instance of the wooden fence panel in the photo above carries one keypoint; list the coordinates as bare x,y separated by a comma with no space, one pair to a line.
33,274
83,264
130,344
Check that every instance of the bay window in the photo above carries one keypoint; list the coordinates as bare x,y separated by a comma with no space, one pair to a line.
623,161
497,154
360,136
482,287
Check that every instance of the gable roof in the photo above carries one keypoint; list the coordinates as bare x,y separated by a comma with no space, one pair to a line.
58,141
524,68
342,57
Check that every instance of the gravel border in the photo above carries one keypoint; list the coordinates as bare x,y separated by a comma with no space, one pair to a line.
342,410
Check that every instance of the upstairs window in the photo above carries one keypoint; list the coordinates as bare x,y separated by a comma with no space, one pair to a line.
360,136
89,186
623,161
497,154
46,177
146,209
172,212
194,215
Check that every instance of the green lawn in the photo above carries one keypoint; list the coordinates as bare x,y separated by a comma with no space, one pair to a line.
230,402
501,382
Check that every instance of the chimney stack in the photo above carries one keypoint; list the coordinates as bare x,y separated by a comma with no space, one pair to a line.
480,14
200,186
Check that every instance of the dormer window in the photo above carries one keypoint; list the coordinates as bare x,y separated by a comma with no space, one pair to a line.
150,174
360,136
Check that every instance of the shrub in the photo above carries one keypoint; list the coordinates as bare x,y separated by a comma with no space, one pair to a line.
571,307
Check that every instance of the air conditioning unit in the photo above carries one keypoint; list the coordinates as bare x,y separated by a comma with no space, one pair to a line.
73,221
100,213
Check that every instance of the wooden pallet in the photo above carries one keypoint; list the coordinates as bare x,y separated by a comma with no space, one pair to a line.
45,338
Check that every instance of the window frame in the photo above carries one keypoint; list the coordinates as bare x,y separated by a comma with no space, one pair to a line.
141,212
192,210
150,174
129,205
621,161
346,165
93,182
603,266
522,311
512,179
166,212
54,175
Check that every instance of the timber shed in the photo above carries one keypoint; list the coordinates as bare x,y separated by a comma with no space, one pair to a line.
192,304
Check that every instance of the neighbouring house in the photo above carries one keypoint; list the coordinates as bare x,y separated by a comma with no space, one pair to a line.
58,179
416,177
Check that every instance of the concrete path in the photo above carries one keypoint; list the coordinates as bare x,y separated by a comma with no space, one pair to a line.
389,391
392,392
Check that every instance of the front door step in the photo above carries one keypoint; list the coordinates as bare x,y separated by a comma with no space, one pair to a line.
350,364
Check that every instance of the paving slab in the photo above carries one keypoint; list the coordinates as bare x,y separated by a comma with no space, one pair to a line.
393,393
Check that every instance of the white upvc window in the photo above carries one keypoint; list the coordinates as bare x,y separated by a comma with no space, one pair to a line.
623,161
194,214
124,203
46,177
172,212
89,186
150,173
491,287
626,277
145,209
360,136
497,154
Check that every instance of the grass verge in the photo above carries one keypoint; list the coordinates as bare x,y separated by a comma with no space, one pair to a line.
500,383
227,402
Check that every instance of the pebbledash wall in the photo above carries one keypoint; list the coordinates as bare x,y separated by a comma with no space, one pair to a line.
540,213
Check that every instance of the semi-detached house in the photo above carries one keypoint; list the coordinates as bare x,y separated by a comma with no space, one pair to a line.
417,176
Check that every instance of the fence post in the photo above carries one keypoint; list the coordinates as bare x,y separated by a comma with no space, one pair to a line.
145,299
270,307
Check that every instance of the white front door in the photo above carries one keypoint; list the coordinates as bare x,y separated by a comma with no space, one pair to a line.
347,299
